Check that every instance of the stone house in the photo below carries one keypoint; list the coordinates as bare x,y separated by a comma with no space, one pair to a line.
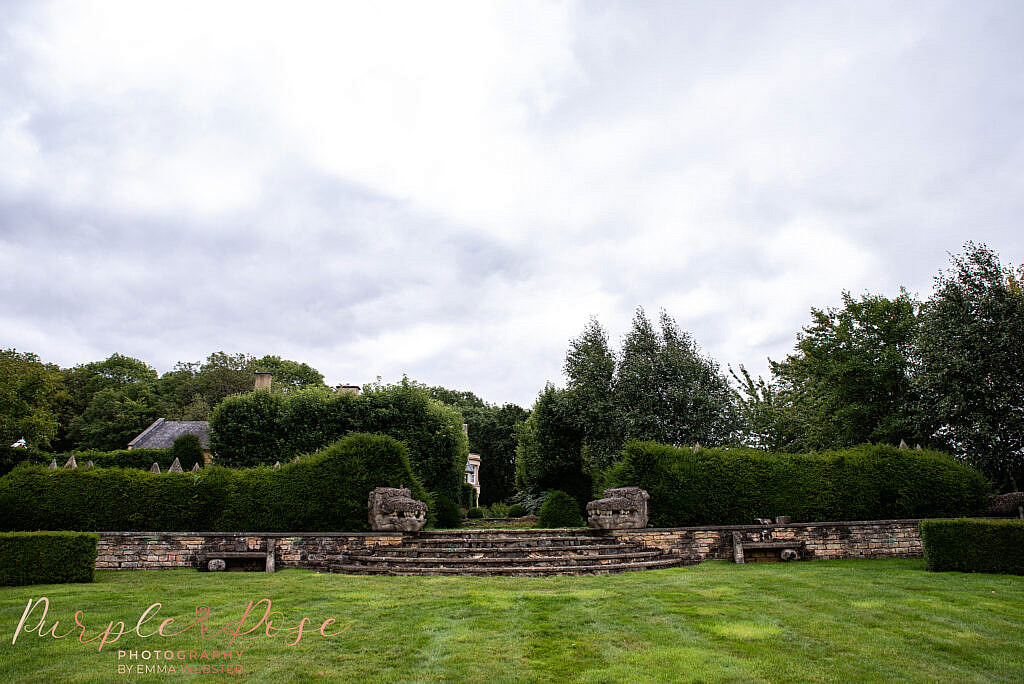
162,433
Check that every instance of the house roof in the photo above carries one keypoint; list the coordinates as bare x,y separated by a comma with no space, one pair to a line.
162,433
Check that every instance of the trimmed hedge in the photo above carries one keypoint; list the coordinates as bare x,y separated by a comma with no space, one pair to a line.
974,545
262,427
46,557
475,512
516,511
735,486
326,491
446,513
143,459
559,510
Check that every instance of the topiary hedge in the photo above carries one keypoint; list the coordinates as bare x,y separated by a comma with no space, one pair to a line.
143,459
262,427
475,512
46,557
188,450
326,491
735,486
974,545
559,510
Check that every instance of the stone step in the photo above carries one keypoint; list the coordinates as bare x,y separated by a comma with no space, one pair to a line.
516,571
505,549
531,559
499,552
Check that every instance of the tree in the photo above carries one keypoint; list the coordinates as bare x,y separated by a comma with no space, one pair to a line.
849,380
971,355
115,416
667,391
289,375
29,391
548,449
590,371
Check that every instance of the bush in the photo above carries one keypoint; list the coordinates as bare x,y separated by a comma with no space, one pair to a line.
735,486
476,512
516,511
498,510
468,499
446,513
46,557
261,427
188,450
10,457
325,491
142,459
974,545
560,510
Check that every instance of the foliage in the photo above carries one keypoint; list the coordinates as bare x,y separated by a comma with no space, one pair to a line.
848,381
560,510
492,435
475,512
974,545
972,362
446,513
46,557
188,450
115,416
468,498
246,430
590,368
516,511
735,486
548,453
320,492
498,510
29,391
12,456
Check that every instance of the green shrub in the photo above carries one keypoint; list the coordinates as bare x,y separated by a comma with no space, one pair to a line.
516,511
974,545
188,450
142,459
559,510
446,513
468,499
476,512
498,510
261,427
325,491
46,557
10,457
735,486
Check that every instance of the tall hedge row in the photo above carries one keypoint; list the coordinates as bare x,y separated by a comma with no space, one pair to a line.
974,545
735,486
262,427
121,458
326,491
46,557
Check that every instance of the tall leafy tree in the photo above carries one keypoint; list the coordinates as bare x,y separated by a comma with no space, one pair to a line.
549,449
590,371
29,393
666,390
972,361
849,380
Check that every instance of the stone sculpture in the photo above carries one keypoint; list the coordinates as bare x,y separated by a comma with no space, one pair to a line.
622,508
394,510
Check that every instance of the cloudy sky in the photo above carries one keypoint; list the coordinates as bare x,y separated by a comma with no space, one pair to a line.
450,190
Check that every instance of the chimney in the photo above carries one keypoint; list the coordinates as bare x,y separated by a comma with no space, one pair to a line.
263,380
349,389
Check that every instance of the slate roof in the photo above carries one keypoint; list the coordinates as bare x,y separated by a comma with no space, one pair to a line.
162,433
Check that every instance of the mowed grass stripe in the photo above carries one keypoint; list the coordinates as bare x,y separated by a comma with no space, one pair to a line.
820,621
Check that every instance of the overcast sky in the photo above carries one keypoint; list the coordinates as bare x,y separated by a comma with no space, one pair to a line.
451,190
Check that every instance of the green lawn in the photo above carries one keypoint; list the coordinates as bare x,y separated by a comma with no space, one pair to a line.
825,620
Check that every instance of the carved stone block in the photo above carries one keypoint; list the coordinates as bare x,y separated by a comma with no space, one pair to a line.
394,510
622,508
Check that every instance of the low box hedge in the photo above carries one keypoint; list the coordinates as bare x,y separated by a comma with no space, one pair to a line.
326,491
46,557
735,486
966,545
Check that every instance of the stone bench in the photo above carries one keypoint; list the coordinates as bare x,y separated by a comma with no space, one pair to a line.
218,561
789,550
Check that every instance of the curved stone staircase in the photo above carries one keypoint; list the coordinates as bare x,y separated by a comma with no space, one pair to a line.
515,552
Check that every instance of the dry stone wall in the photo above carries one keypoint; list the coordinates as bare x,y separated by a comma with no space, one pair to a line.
824,540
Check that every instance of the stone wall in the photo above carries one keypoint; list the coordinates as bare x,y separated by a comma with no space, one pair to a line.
161,550
824,540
